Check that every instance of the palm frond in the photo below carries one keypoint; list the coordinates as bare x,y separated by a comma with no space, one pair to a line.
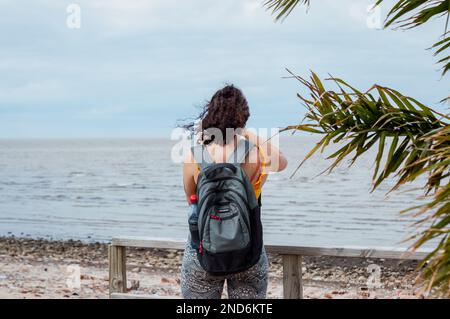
414,13
440,47
408,14
419,146
282,8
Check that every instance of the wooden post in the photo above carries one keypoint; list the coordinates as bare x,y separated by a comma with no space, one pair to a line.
292,277
117,269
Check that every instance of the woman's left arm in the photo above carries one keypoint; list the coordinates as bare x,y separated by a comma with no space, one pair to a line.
189,168
274,160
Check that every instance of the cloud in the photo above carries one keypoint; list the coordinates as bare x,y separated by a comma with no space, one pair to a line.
34,93
25,64
102,112
118,18
156,59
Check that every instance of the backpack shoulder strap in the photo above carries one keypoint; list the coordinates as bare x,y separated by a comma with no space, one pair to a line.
201,156
240,153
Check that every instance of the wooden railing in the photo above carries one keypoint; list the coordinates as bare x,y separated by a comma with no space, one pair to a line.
291,257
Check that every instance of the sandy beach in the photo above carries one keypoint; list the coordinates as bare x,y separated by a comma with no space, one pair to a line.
31,268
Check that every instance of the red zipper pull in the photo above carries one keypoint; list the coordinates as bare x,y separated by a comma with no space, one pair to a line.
200,248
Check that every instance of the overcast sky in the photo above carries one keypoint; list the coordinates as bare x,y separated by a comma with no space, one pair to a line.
135,67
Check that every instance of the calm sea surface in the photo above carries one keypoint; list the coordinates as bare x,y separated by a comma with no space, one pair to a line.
94,189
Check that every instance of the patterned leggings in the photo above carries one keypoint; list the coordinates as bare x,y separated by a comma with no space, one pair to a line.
196,283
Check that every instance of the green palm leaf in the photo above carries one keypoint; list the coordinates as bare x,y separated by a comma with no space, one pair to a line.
419,146
282,8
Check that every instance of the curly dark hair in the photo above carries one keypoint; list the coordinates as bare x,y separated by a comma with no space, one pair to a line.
227,109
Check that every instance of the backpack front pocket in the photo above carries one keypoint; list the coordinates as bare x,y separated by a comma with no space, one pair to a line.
225,231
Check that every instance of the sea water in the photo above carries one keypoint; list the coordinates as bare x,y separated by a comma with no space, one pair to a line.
94,189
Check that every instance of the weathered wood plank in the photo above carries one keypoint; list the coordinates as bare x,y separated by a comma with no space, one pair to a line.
150,242
292,277
386,253
283,249
117,269
117,295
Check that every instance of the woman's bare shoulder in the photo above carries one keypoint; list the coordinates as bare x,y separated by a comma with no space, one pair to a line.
252,162
253,156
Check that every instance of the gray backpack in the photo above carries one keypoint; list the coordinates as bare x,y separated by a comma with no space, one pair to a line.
229,225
